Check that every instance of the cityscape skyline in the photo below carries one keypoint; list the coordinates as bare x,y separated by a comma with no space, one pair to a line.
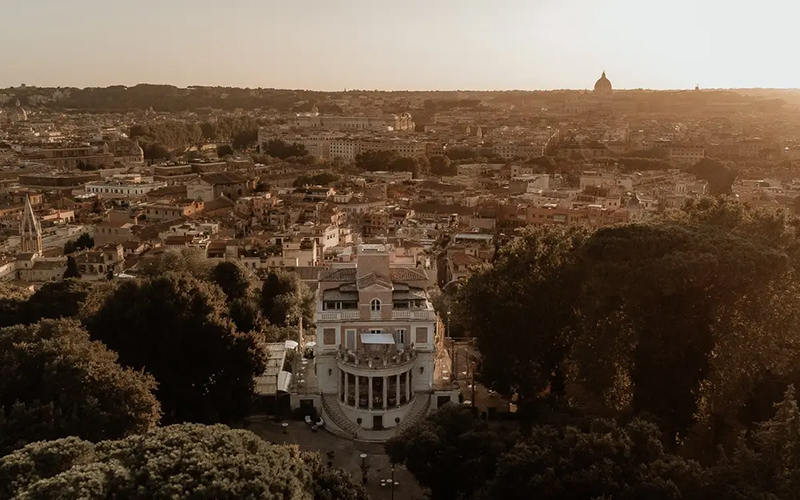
448,45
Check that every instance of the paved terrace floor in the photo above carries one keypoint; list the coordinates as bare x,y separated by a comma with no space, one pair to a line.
346,456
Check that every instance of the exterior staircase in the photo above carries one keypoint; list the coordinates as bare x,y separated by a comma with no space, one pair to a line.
335,416
338,423
419,409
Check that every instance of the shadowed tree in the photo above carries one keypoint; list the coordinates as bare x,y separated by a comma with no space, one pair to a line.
451,452
180,462
285,299
521,310
72,268
55,382
177,328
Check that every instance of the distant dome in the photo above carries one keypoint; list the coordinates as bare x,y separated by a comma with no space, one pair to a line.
603,85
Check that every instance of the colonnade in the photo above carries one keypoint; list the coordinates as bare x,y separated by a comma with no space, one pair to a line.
377,392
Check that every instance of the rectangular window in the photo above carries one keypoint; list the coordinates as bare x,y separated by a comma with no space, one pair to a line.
422,335
400,336
350,339
329,336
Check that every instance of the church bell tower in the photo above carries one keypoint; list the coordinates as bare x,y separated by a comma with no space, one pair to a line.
30,230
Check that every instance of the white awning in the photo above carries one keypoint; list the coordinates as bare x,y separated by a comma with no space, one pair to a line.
284,379
377,338
291,344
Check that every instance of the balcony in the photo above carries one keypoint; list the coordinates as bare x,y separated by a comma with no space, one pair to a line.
392,358
340,315
414,314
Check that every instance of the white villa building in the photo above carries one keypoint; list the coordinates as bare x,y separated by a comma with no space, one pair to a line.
376,349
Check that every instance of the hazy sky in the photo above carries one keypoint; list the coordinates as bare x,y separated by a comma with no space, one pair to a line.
408,44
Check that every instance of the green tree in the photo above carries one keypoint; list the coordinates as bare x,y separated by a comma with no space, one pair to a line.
285,299
604,461
440,165
188,261
55,382
375,160
242,296
224,150
765,465
84,241
451,452
12,302
72,269
658,304
177,328
323,179
180,461
521,310
278,148
60,299
247,138
720,176
232,278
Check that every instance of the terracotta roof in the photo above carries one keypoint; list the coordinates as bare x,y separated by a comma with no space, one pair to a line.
408,274
347,275
219,178
221,203
48,264
374,279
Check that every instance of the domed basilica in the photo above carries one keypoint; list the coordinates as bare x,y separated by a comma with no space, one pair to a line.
603,85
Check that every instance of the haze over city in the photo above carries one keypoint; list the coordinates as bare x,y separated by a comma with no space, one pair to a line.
416,44
364,250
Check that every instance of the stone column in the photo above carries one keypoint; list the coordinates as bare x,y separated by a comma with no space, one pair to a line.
369,393
397,392
346,388
408,386
357,393
385,390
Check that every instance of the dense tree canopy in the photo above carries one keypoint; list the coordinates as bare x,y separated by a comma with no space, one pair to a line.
81,242
177,328
458,457
12,300
521,311
242,295
55,382
278,148
60,299
323,179
180,462
285,299
440,165
692,318
720,176
451,453
189,261
603,461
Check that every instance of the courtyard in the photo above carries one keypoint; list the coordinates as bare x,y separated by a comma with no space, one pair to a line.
346,455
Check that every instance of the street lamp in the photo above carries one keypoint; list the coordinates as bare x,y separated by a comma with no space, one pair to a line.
364,468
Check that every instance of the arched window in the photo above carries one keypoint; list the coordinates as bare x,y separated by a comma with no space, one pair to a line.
375,305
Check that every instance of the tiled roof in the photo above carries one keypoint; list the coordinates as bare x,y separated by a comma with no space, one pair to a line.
221,203
217,178
408,274
374,279
347,275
